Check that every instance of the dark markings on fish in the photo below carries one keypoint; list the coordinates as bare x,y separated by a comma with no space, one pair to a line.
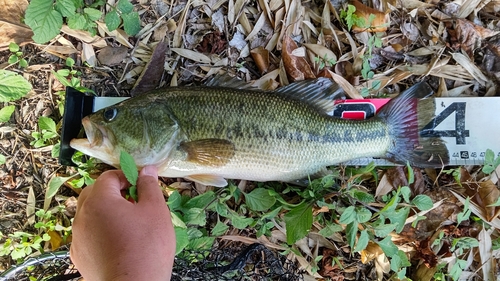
297,136
281,133
348,136
313,137
219,129
237,131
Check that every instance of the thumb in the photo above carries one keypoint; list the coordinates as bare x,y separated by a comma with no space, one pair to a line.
148,189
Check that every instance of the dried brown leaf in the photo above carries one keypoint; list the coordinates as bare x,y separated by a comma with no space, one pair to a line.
30,206
468,36
491,57
380,22
261,58
485,254
397,176
88,54
296,68
489,194
152,73
329,267
192,55
112,55
384,186
11,27
346,86
179,32
17,33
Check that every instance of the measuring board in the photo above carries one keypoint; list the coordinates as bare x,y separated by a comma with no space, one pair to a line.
467,125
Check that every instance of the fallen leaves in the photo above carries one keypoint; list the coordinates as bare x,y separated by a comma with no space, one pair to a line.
375,21
11,27
296,66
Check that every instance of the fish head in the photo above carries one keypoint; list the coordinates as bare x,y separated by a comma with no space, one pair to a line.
147,131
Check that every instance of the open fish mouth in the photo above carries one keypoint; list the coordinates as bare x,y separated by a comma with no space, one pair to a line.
97,144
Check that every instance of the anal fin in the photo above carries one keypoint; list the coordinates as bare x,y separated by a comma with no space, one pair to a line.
206,179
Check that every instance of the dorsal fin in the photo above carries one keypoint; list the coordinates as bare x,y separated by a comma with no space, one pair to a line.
319,93
227,81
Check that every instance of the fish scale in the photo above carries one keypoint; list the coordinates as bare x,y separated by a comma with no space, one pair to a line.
210,133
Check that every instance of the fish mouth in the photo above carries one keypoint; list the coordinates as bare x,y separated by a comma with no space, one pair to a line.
97,144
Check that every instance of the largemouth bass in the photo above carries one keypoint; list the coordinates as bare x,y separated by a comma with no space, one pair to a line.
210,133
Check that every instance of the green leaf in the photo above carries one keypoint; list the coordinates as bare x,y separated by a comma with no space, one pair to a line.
406,193
63,72
362,196
219,229
132,192
13,47
174,200
6,113
465,214
181,239
127,164
489,156
259,199
177,221
92,13
457,268
47,124
23,63
298,222
45,22
463,243
272,214
196,216
131,23
125,6
70,62
350,232
388,246
67,8
330,229
54,184
112,20
13,59
77,21
399,218
362,241
411,174
348,216
2,159
384,229
54,153
12,86
423,202
363,214
201,201
202,243
240,222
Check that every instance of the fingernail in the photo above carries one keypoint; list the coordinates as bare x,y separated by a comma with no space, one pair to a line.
150,171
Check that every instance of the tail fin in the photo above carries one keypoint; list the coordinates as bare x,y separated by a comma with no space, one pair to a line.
406,115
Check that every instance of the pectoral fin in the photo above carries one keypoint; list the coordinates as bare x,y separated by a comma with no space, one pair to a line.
209,152
211,180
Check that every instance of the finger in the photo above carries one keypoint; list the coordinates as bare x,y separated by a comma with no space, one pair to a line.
109,184
148,189
83,196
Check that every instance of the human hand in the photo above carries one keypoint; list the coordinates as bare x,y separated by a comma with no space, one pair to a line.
114,239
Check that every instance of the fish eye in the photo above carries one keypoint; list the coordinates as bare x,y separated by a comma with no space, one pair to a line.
110,114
